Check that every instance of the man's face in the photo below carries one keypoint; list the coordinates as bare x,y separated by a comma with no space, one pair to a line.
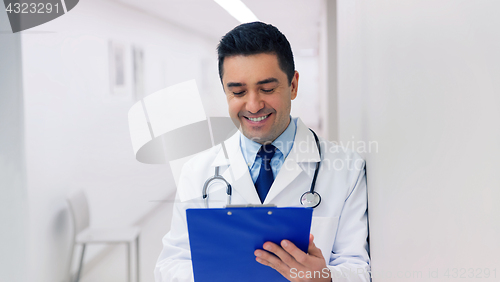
258,95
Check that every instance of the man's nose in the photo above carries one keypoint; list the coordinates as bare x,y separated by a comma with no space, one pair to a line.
254,102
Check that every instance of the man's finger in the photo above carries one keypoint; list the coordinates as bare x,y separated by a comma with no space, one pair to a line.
313,250
295,252
272,261
283,255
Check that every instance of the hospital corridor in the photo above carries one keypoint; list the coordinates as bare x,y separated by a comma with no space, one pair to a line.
107,107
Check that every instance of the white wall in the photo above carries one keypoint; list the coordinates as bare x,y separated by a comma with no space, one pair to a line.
13,195
421,79
307,105
327,66
77,130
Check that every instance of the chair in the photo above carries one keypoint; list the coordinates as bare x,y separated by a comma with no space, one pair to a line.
84,235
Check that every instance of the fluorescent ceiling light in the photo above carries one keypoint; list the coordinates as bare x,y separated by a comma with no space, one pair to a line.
238,9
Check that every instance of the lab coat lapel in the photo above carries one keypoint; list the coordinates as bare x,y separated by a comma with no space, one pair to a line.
236,170
304,150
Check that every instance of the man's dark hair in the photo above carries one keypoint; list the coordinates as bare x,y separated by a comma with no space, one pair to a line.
255,38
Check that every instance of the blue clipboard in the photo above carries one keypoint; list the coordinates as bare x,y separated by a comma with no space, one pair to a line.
223,241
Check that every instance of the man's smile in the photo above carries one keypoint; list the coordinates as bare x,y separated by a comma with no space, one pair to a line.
257,119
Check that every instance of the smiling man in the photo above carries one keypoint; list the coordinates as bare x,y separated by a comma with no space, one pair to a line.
259,95
274,158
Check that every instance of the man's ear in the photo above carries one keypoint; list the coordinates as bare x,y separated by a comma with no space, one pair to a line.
295,84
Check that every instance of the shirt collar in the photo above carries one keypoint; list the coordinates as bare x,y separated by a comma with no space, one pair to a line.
284,143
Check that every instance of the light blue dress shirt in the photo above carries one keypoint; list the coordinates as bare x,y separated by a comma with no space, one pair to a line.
283,144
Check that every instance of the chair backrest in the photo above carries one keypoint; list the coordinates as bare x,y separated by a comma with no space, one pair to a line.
80,210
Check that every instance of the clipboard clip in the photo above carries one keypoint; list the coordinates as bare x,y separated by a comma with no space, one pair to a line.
250,206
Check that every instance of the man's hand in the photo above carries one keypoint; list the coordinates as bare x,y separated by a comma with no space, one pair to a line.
294,264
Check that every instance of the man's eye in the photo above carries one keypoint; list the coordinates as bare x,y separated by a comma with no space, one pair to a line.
267,90
238,93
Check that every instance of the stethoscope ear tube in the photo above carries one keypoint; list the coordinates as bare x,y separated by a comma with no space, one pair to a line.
312,199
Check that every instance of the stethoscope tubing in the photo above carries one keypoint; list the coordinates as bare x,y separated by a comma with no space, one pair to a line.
217,176
303,199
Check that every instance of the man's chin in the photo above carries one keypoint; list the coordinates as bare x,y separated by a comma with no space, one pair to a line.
259,138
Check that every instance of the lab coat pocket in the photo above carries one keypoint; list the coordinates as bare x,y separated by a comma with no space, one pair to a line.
324,230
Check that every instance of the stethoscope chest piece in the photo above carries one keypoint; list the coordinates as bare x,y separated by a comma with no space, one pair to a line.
310,200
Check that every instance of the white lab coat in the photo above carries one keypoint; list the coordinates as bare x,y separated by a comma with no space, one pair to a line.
339,222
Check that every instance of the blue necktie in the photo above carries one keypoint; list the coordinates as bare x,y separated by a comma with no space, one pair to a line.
265,178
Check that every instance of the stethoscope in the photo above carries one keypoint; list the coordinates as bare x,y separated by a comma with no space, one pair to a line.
310,199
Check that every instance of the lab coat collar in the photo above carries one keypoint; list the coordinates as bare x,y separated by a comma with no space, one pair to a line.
238,173
304,151
304,146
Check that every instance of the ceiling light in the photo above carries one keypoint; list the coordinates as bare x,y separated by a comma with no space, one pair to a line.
238,9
